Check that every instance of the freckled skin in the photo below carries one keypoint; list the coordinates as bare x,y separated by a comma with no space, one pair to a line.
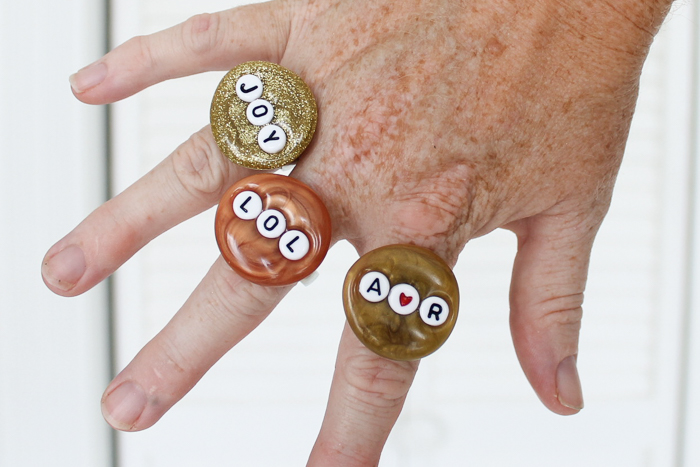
427,113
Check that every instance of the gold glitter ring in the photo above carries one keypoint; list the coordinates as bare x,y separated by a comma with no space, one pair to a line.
263,115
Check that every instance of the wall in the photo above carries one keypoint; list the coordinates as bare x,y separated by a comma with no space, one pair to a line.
54,360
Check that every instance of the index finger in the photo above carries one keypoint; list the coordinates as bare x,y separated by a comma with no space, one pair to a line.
205,42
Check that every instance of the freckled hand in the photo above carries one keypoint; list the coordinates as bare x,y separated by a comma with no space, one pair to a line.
437,123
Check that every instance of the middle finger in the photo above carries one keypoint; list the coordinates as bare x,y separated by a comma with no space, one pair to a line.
192,179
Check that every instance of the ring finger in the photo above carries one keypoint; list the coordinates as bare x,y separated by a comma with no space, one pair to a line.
222,310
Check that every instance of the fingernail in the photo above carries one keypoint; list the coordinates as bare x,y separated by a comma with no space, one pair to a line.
569,385
88,77
64,269
124,405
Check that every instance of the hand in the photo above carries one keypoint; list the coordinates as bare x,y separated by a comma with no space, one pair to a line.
439,122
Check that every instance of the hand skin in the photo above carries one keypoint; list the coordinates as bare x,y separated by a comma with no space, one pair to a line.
439,122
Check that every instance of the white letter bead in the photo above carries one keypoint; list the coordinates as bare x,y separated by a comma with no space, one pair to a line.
247,205
374,286
271,223
249,88
294,245
404,299
260,112
434,311
272,139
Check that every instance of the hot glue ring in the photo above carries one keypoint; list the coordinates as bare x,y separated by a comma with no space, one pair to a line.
263,115
272,230
401,301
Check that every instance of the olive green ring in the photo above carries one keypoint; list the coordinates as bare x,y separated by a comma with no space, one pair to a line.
377,326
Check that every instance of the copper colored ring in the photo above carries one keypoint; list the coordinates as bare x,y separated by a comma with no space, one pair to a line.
258,259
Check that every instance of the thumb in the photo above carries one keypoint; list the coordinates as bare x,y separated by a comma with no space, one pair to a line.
546,295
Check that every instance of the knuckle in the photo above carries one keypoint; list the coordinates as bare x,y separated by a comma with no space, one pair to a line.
378,382
565,312
199,167
144,51
557,321
242,301
434,209
437,212
115,218
174,365
342,454
202,33
250,300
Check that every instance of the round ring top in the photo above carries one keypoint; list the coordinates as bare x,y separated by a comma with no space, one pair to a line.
272,230
293,108
416,315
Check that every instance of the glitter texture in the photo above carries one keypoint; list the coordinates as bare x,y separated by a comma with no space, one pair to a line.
295,113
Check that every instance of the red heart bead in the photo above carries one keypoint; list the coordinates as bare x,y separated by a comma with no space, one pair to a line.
405,299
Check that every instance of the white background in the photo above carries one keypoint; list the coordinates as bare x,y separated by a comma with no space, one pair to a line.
263,403
53,351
